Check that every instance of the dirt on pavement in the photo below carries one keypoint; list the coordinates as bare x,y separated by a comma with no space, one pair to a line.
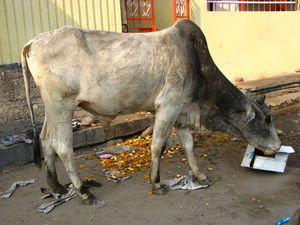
240,196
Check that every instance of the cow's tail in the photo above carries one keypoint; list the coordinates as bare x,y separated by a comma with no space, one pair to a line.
26,74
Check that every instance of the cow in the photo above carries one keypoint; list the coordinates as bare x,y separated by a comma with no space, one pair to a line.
169,72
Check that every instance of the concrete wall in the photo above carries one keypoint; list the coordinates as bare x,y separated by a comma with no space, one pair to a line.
250,45
14,112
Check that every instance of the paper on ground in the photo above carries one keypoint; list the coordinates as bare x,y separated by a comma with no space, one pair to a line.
185,182
275,164
13,187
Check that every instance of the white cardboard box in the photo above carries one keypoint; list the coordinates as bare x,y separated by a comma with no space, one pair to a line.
276,163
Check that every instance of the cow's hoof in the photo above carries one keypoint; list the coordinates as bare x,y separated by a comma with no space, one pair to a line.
206,182
91,183
89,200
59,189
162,190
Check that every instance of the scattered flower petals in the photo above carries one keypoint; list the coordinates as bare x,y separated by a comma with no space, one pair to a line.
132,161
82,166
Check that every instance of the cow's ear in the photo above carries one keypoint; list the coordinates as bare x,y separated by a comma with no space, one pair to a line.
260,99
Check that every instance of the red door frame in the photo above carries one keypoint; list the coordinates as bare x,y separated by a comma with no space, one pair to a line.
177,7
140,18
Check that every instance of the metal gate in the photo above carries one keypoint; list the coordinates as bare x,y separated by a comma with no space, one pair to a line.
140,15
181,9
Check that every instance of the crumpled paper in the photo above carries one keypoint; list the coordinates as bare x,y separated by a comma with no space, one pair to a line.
60,199
13,187
185,183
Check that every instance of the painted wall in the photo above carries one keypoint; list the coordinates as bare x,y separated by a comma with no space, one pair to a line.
163,13
250,45
20,20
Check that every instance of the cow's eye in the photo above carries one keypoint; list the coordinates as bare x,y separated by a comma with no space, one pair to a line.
268,119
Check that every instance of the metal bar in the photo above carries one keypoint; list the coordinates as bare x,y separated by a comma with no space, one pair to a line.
152,14
249,2
139,11
188,8
139,19
174,10
243,6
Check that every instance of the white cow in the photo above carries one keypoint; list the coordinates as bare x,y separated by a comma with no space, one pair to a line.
169,72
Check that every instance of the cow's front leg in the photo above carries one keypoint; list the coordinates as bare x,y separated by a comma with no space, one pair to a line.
187,142
165,119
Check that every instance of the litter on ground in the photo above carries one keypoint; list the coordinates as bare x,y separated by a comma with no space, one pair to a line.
13,187
59,199
14,139
185,182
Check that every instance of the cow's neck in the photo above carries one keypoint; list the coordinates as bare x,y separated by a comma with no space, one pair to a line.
214,86
218,99
217,89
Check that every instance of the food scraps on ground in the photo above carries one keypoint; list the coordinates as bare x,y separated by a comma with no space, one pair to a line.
132,161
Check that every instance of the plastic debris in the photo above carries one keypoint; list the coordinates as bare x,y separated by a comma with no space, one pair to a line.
116,176
99,203
13,187
60,199
105,156
76,124
293,220
282,221
14,139
185,182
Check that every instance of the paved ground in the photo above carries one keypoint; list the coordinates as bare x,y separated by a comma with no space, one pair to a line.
239,197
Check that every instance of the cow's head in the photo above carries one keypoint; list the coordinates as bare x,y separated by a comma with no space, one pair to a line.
249,119
257,126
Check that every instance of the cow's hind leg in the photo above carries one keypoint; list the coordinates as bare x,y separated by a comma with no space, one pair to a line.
59,115
164,121
49,156
187,142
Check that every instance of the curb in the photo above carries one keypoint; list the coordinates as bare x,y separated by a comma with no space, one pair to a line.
280,91
21,153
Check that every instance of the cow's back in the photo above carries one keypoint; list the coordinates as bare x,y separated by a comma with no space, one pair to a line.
123,72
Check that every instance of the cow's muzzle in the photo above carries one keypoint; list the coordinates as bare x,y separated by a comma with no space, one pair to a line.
269,151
